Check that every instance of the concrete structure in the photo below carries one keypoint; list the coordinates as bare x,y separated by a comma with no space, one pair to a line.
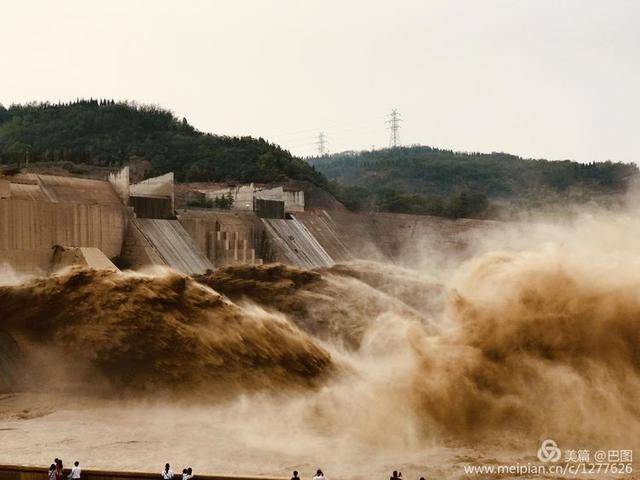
47,222
293,243
293,199
137,251
226,238
5,188
268,208
161,186
90,257
58,189
152,207
38,212
389,236
166,242
154,197
244,196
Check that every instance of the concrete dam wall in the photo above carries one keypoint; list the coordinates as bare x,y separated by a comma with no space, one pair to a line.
226,238
30,228
38,212
387,236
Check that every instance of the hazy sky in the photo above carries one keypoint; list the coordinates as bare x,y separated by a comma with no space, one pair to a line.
540,78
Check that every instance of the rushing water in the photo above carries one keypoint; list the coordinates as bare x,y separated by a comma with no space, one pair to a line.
358,368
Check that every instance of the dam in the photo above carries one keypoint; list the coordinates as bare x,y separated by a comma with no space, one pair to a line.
133,226
265,341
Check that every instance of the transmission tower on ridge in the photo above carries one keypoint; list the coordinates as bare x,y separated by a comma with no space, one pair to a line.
394,128
322,144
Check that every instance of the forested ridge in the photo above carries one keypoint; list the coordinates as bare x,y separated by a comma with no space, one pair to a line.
418,179
110,133
422,179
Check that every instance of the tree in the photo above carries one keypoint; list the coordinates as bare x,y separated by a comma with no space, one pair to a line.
4,114
224,202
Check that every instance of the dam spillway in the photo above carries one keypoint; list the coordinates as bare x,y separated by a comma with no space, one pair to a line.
296,244
174,245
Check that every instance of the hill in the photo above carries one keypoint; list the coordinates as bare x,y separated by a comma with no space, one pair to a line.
108,133
428,180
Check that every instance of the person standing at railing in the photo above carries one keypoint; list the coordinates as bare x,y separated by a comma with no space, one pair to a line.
52,472
75,471
59,470
167,474
187,474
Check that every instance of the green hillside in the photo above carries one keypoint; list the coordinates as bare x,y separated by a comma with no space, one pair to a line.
421,180
427,180
108,133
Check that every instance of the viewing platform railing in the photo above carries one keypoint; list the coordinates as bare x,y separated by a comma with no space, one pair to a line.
19,472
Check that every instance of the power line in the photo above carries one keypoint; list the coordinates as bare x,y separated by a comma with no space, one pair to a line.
394,128
344,137
332,127
322,143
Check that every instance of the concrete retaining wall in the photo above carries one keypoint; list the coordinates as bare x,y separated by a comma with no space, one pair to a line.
226,238
30,228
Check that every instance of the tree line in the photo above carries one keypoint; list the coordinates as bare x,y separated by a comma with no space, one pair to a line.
422,179
105,132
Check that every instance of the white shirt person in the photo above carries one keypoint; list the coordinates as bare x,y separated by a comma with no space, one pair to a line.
76,472
167,474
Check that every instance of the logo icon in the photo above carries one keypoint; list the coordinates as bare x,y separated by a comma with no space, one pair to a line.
549,451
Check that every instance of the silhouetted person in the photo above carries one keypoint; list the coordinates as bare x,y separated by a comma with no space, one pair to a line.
59,471
394,475
52,471
167,474
319,475
295,475
187,473
75,471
